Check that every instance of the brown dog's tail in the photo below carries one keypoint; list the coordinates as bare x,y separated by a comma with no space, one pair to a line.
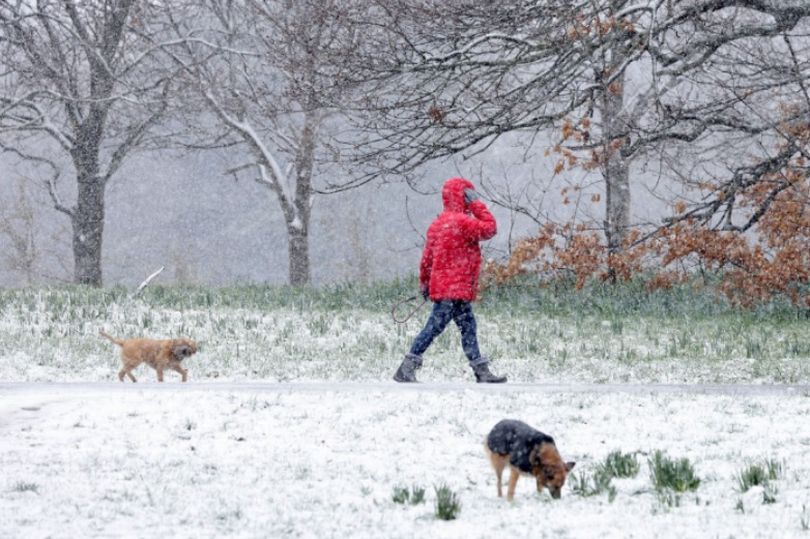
119,342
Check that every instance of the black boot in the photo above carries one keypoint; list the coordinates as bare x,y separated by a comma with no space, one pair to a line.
406,373
484,376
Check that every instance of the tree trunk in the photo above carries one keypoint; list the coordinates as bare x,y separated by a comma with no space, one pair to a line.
298,230
299,257
88,229
88,215
617,201
616,169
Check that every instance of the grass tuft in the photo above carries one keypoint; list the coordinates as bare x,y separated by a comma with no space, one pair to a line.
24,486
774,469
414,496
769,494
401,495
596,483
447,503
752,476
759,474
417,495
675,475
618,464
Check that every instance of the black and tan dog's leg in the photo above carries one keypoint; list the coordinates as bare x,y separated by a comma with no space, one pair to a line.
498,464
159,370
513,478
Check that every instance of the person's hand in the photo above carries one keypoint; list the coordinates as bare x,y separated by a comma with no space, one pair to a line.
470,195
425,293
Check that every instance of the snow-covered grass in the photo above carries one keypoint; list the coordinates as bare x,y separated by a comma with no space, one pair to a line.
189,461
346,333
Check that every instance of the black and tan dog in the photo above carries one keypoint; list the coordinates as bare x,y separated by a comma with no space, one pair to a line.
526,451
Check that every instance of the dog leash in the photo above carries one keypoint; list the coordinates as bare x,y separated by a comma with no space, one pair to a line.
398,304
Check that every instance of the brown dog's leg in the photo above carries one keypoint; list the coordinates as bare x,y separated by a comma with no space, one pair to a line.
512,483
126,372
183,372
159,373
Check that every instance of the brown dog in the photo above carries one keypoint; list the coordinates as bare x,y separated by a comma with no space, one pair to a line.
160,355
526,451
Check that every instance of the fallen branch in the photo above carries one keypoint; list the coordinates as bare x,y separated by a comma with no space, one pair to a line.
146,282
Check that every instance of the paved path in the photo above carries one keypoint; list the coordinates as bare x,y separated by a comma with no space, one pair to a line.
67,388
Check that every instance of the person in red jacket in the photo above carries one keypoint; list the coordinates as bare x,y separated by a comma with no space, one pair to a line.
448,275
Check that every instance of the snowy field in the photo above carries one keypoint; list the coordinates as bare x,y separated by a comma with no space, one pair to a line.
291,426
213,460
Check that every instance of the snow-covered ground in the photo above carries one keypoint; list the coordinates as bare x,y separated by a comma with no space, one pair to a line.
290,425
208,460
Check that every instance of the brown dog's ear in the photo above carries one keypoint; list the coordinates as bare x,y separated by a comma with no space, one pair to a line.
570,466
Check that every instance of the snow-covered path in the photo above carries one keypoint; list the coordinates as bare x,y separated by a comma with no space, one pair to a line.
68,388
322,459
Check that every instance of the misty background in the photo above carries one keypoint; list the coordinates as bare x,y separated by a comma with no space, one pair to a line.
307,142
205,227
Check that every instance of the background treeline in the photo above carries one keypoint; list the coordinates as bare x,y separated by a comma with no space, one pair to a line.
612,137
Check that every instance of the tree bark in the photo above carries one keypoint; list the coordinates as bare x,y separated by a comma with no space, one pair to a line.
616,168
299,257
88,216
88,230
298,230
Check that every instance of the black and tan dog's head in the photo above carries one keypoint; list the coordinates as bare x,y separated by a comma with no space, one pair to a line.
549,468
183,348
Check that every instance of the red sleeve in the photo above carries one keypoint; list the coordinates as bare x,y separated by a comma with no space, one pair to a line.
426,265
481,225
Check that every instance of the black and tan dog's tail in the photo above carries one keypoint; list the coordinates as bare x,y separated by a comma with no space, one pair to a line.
119,342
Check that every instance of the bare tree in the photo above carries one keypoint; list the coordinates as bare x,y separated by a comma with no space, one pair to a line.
269,72
79,87
749,127
620,82
27,252
17,225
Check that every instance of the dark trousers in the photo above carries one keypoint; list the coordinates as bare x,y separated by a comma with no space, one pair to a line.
444,311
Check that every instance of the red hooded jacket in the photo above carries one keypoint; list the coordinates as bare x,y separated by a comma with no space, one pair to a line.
451,260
